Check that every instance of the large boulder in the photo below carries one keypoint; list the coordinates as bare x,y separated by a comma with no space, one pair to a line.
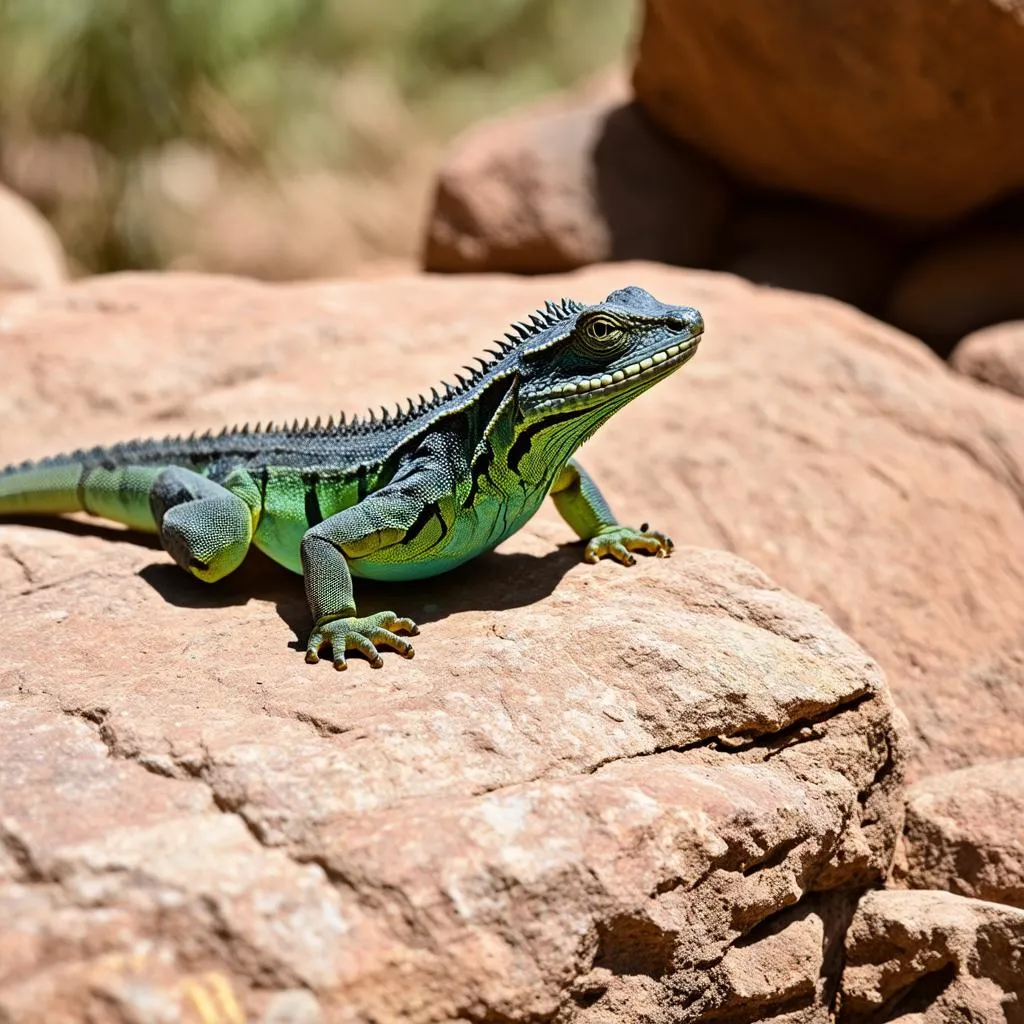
578,179
965,833
597,793
912,110
835,453
932,958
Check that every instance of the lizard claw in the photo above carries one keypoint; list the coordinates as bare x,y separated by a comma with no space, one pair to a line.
363,634
619,542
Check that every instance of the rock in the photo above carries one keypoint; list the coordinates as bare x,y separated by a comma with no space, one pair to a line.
852,103
592,793
811,247
969,281
31,255
932,957
965,833
833,451
994,355
581,179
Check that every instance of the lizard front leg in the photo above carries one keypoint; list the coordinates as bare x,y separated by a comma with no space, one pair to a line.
206,528
380,520
584,508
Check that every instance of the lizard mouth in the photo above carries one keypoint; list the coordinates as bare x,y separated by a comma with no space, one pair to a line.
652,367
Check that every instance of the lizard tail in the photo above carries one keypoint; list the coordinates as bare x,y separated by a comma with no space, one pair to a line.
59,485
40,489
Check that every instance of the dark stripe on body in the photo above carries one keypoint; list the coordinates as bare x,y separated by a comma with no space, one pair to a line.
314,514
264,481
420,523
524,441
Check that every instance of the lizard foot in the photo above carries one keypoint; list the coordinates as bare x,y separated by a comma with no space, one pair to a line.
363,634
619,541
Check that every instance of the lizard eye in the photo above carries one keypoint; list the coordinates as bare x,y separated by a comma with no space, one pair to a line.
601,336
601,330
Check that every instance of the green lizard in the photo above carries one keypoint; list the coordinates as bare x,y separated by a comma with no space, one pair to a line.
398,496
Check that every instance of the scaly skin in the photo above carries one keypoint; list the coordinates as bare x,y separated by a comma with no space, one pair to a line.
397,497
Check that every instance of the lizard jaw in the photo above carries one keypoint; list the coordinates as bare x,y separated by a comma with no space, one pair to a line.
649,369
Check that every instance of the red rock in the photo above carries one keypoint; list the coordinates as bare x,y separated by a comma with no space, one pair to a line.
858,103
577,180
829,449
595,792
932,957
994,355
965,833
474,834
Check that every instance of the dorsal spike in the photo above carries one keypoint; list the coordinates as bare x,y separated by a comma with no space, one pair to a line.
316,424
523,331
462,380
551,308
472,371
435,396
341,418
330,422
513,340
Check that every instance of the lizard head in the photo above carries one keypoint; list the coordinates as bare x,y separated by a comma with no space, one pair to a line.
600,357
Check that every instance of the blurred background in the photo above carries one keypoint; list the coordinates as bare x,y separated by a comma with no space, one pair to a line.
829,148
276,138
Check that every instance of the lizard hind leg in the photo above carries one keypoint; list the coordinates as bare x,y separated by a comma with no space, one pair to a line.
203,526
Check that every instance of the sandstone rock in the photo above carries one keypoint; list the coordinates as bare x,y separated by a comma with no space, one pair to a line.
965,833
811,247
932,957
593,793
31,255
970,280
859,103
834,452
581,179
994,355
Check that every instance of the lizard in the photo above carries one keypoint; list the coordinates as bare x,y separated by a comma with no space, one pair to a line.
397,495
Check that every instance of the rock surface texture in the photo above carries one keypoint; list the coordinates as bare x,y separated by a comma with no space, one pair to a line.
596,794
592,795
933,958
994,355
758,86
965,832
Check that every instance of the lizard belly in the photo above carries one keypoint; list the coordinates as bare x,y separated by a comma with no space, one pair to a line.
449,538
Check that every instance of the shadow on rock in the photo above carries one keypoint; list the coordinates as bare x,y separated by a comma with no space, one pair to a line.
77,528
492,582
